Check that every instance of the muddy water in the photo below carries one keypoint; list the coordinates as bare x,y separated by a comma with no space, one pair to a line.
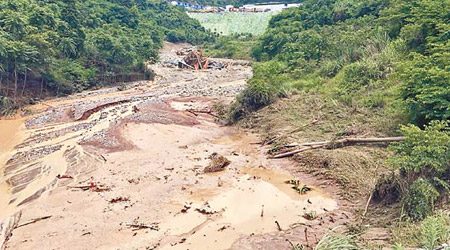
11,133
252,206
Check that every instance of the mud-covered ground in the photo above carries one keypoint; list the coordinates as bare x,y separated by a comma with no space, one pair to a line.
110,169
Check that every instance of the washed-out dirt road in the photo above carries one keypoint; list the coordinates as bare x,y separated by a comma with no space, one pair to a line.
110,169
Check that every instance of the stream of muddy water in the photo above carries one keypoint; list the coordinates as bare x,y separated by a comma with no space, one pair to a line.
111,169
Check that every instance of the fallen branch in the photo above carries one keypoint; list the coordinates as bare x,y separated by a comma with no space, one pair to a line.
367,204
139,226
290,132
291,153
34,221
336,144
196,112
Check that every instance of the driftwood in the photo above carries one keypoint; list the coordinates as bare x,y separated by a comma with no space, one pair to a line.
335,144
34,220
367,205
270,141
196,112
139,226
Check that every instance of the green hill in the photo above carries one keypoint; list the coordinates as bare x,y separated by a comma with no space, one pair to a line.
72,45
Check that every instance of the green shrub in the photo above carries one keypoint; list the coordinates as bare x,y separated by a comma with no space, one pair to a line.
424,152
426,86
358,75
420,199
330,68
267,84
435,230
424,162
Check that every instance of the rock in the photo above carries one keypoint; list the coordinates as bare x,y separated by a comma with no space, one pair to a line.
218,163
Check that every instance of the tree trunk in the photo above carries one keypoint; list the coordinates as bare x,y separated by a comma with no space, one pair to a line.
42,87
1,79
15,80
7,79
24,82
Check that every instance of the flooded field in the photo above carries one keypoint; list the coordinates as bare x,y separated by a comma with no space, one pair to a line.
111,169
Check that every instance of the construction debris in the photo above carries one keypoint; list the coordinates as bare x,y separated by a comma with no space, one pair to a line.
193,59
196,60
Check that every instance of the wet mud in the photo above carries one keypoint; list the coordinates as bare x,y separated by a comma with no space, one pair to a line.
111,169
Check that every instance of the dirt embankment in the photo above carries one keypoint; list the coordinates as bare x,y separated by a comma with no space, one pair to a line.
111,169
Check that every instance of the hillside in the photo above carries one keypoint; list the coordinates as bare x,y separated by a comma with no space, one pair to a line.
69,46
361,52
340,69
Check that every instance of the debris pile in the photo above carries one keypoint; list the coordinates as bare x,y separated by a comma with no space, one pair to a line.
192,58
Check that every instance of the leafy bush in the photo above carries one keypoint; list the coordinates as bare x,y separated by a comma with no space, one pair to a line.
420,199
426,86
7,106
266,85
424,162
435,230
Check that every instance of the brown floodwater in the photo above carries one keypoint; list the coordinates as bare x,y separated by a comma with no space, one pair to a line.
11,133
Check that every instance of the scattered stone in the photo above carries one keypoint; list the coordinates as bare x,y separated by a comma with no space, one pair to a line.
218,163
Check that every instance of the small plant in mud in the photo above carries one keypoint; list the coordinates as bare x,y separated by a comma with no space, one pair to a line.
222,110
309,215
297,246
302,189
295,182
121,87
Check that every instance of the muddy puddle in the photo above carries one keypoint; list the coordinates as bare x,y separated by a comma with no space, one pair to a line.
131,173
251,206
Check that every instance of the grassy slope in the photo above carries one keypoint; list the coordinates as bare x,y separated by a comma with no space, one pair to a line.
356,169
234,23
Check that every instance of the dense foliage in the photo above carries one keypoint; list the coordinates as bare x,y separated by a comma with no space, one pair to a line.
71,45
